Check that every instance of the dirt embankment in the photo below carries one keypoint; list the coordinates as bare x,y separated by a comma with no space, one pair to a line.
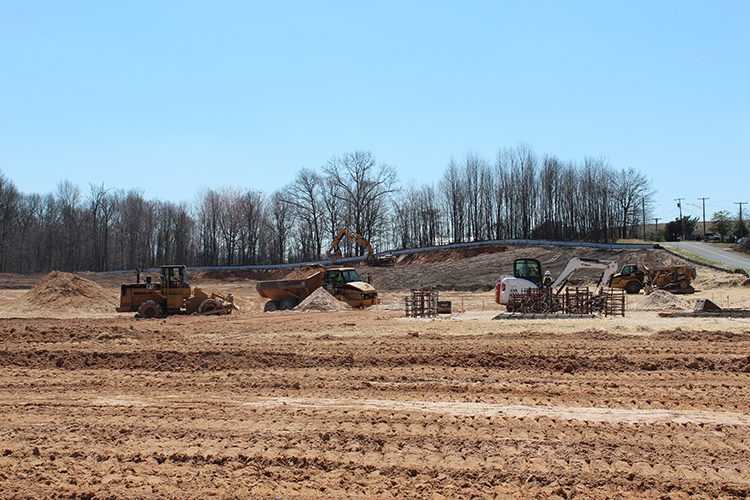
478,269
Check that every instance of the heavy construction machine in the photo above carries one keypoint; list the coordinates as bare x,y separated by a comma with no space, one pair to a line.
344,283
372,258
172,294
528,275
673,279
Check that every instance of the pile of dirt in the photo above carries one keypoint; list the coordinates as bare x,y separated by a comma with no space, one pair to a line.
321,300
60,293
302,273
660,300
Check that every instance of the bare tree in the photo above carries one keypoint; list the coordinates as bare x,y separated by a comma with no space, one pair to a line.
9,201
630,189
304,195
363,187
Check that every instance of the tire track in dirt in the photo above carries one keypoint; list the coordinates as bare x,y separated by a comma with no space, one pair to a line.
160,410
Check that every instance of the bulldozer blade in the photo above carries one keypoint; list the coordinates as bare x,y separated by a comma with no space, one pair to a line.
215,312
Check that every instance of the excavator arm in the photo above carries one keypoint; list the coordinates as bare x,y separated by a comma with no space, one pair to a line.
334,252
372,258
609,268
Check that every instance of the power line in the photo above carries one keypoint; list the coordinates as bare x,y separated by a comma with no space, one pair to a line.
740,203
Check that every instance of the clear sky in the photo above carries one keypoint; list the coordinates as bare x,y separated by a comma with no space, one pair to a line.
172,97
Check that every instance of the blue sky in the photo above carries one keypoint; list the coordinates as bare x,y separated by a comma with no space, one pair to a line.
173,97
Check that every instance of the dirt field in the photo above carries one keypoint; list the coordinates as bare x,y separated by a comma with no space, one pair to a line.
368,403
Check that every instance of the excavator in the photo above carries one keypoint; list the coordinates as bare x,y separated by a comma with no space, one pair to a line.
527,274
372,258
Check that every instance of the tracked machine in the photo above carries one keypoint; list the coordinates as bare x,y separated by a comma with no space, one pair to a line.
373,258
171,294
524,292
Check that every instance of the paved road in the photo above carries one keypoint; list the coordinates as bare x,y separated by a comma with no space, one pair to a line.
731,260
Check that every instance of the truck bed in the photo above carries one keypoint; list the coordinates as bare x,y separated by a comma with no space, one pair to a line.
282,289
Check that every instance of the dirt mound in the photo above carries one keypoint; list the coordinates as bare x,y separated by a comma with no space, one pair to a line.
302,273
660,300
61,293
321,300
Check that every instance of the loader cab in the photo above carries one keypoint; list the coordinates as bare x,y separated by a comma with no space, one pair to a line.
528,269
628,270
175,277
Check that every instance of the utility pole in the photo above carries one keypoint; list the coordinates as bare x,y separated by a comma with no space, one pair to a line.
682,223
644,218
740,203
704,215
656,224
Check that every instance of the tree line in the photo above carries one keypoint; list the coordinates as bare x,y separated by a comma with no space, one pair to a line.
518,194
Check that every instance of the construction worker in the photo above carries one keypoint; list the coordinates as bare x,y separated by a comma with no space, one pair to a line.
547,280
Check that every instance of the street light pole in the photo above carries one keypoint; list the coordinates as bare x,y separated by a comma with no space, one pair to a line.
682,222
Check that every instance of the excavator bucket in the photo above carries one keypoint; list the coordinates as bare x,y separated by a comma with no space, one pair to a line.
705,305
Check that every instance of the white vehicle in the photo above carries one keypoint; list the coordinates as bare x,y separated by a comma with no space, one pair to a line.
527,273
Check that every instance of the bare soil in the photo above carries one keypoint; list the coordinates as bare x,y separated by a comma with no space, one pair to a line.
369,403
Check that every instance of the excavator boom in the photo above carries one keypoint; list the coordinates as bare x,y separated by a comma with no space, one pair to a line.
334,252
609,268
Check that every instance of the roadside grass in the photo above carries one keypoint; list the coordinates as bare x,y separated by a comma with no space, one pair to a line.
697,258
723,246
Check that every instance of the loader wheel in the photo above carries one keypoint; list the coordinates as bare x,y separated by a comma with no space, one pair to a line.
288,304
208,305
149,309
271,306
633,287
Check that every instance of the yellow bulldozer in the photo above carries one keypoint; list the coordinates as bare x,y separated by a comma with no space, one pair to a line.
372,258
172,294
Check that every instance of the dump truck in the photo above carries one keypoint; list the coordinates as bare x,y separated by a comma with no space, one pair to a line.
344,283
674,279
172,294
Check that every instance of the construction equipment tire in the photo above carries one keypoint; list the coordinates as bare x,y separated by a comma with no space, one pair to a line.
271,306
208,306
633,287
288,304
149,309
